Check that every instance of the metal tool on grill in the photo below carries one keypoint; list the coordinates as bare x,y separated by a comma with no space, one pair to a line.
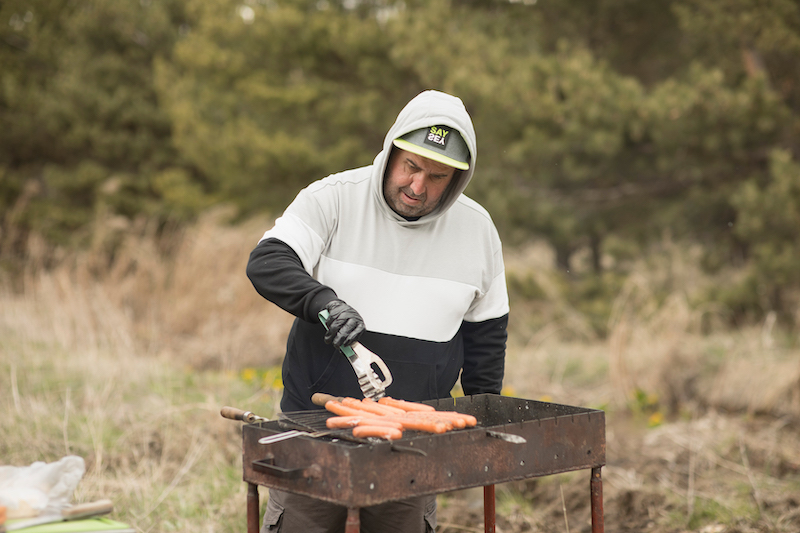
362,360
233,413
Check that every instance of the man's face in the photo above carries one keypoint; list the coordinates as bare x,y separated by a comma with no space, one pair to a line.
414,185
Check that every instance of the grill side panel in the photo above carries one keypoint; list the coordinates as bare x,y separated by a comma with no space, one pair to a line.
559,439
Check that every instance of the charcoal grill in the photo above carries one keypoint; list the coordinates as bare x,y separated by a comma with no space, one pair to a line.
357,473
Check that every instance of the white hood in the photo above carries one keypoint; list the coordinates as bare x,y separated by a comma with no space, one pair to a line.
429,108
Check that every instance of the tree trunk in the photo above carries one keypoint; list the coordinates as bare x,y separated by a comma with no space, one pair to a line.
595,243
563,256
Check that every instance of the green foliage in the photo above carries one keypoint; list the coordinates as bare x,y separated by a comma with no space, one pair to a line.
743,300
646,406
267,97
594,295
80,115
181,196
640,39
746,38
599,126
768,218
524,287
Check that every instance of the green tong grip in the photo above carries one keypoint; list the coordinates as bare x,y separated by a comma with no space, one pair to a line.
346,350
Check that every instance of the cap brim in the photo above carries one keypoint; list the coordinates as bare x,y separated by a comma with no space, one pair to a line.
430,154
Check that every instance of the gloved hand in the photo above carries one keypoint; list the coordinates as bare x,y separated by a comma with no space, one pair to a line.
345,325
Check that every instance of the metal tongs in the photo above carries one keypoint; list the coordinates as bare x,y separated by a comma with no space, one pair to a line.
362,359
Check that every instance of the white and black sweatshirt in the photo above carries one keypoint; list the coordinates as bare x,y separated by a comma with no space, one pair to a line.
432,291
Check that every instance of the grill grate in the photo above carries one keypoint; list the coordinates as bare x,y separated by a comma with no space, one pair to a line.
315,421
309,420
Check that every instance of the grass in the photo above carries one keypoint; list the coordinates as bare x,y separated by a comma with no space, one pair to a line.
121,371
150,433
127,366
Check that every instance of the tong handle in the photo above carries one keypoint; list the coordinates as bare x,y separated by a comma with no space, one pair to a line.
232,413
346,350
324,315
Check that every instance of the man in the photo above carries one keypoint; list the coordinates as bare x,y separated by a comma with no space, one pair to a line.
404,263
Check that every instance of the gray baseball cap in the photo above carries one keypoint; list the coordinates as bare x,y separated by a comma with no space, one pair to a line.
439,143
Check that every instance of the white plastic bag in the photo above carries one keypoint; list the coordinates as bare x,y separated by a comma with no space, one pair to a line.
41,488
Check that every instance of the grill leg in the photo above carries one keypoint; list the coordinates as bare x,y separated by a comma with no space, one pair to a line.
596,486
353,524
252,508
488,509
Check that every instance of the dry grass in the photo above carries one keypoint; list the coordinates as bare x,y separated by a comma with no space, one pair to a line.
654,345
194,304
127,366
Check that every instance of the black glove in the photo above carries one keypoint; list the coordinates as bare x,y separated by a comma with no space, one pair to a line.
345,325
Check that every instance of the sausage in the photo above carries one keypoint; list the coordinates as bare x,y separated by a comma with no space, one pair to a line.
469,419
423,424
415,416
377,431
404,405
339,422
373,408
377,408
342,410
456,422
383,422
352,403
460,420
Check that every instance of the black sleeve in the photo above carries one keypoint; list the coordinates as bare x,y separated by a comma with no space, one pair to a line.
484,355
278,275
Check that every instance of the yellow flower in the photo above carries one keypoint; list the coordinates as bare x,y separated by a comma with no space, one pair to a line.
656,419
508,390
272,379
248,374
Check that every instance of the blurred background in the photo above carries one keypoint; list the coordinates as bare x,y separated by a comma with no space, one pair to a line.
640,159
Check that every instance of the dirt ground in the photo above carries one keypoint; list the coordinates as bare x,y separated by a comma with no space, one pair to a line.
716,473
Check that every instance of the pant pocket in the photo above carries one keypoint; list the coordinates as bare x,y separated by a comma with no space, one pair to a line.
273,517
430,515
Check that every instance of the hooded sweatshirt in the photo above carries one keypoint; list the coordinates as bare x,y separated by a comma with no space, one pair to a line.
431,291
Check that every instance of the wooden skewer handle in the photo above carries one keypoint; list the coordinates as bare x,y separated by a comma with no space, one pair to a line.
83,510
320,398
232,413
